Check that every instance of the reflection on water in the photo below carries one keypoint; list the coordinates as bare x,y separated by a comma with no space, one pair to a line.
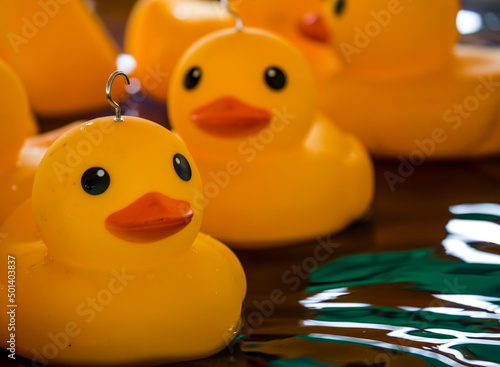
430,307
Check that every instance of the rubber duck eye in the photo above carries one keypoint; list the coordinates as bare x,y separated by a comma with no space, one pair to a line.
339,7
182,167
275,78
193,77
95,181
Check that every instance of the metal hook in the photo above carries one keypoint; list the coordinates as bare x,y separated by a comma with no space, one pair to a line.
113,104
239,22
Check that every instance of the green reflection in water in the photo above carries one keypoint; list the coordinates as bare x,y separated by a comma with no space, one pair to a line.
423,269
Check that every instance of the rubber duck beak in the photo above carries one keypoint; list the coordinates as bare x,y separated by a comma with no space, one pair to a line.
313,25
230,117
151,218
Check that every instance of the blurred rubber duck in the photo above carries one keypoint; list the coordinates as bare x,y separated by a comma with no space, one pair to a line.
118,243
59,37
286,18
406,87
160,31
20,151
275,171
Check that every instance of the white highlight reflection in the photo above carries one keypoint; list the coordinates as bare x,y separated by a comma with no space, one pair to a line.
126,63
475,230
469,22
472,300
182,12
316,302
319,306
433,346
445,346
461,312
458,248
398,347
487,208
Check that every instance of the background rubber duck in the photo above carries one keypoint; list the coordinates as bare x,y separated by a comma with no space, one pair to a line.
160,31
275,172
20,152
61,36
287,19
406,87
120,274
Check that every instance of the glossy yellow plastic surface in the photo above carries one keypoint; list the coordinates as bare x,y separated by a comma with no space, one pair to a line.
45,42
284,17
406,87
274,170
19,154
160,31
106,285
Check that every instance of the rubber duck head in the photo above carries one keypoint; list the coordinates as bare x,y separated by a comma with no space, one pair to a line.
235,85
274,15
388,34
117,194
16,120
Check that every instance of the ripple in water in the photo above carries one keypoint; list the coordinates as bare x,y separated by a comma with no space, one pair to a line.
427,307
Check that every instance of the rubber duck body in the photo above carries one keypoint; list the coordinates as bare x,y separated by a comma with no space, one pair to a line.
275,171
61,36
160,31
119,274
20,151
406,88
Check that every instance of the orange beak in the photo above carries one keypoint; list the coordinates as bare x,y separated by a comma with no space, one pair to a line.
229,117
150,218
313,25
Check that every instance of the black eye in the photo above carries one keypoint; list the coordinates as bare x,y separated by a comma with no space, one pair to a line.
275,78
95,181
193,77
339,7
182,167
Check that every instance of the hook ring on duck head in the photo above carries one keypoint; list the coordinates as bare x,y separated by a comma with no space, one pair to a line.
114,104
236,16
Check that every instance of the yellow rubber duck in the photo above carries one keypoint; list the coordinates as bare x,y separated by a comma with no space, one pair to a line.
20,152
286,18
160,31
45,41
406,87
275,171
114,271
